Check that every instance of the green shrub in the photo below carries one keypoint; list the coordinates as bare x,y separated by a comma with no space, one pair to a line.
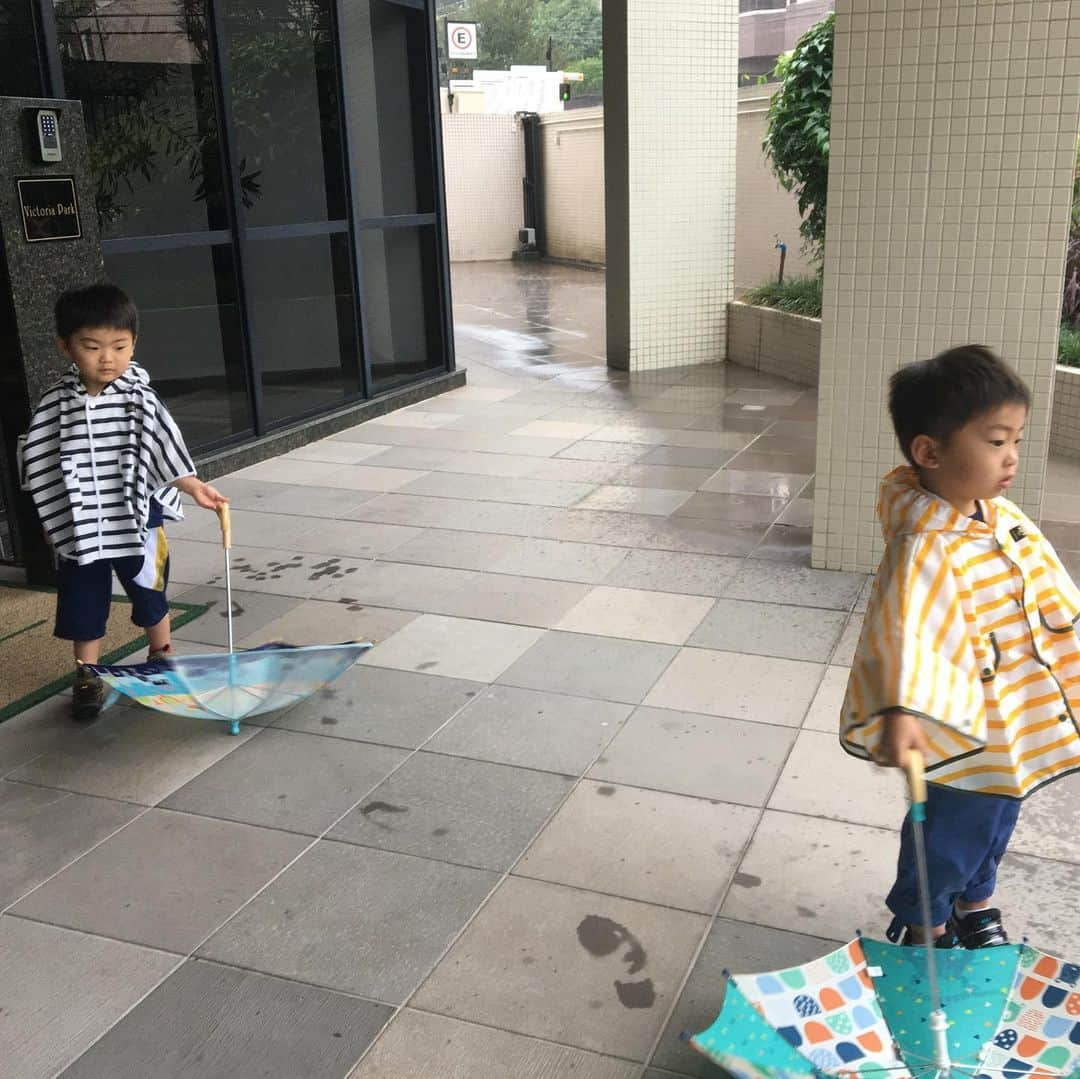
798,295
1069,347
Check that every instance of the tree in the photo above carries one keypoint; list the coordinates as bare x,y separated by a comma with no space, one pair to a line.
797,142
506,33
575,28
592,67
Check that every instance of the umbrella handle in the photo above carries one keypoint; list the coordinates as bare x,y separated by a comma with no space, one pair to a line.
226,524
915,769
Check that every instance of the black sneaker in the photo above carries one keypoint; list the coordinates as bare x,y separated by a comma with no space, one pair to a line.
979,928
948,939
87,696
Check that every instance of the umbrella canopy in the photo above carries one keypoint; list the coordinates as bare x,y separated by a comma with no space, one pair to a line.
235,685
865,1010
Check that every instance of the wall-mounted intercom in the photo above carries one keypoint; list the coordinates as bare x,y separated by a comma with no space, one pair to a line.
47,134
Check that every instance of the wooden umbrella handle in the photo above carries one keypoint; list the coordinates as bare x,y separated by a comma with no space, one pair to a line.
226,525
915,768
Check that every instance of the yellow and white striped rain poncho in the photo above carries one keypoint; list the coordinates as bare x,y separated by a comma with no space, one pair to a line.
972,628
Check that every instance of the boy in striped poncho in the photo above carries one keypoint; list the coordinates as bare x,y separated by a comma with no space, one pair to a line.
105,464
969,653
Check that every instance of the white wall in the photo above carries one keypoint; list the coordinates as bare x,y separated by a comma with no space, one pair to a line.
485,165
574,184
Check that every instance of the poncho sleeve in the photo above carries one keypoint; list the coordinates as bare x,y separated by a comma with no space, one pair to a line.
916,655
1055,590
168,459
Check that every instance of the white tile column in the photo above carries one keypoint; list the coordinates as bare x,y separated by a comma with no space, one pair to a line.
670,99
953,141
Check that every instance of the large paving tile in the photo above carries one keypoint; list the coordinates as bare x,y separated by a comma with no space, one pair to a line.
698,535
293,782
527,492
455,647
705,756
669,571
786,544
413,417
251,612
583,525
563,468
766,582
61,990
820,877
1048,821
856,791
770,629
375,704
419,1045
42,830
278,573
215,1020
527,601
733,946
824,714
132,755
167,880
1037,897
779,485
36,731
317,621
667,477
360,920
590,666
399,586
650,500
605,451
642,844
351,539
524,727
455,810
634,614
758,688
844,655
692,456
749,509
573,966
458,550
334,452
556,560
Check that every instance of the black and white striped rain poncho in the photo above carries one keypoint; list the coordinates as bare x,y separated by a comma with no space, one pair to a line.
92,464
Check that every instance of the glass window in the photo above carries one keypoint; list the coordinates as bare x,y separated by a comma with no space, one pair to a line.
142,71
20,73
303,323
401,303
298,268
387,85
189,321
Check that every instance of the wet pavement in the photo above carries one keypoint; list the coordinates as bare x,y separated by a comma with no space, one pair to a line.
590,763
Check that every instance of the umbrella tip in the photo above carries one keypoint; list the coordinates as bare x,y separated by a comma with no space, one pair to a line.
685,1036
858,934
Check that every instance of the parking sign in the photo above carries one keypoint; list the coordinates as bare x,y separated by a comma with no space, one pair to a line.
461,40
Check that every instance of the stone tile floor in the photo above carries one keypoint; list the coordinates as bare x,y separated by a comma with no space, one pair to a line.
590,764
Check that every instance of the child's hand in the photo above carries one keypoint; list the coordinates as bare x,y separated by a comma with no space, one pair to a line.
901,734
203,494
208,497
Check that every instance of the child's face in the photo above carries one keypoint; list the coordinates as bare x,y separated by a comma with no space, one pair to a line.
100,353
978,462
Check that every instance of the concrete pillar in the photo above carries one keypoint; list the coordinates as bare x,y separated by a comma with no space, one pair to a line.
953,142
670,99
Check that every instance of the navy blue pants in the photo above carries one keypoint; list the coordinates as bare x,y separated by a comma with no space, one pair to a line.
84,593
966,837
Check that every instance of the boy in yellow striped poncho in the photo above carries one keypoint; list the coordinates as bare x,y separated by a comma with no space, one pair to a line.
969,653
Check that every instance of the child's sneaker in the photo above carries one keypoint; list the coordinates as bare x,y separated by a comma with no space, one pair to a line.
156,655
979,928
948,939
87,695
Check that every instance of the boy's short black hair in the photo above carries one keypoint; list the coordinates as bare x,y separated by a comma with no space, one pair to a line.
937,397
101,305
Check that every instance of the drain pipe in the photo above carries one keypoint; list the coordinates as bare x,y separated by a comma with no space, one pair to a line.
531,236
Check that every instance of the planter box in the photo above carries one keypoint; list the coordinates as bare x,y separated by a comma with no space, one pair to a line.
1065,419
774,342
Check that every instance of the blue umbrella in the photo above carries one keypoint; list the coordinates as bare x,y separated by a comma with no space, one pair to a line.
236,685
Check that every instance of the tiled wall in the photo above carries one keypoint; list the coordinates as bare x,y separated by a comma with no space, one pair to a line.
774,342
671,189
574,184
485,163
1065,422
952,150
